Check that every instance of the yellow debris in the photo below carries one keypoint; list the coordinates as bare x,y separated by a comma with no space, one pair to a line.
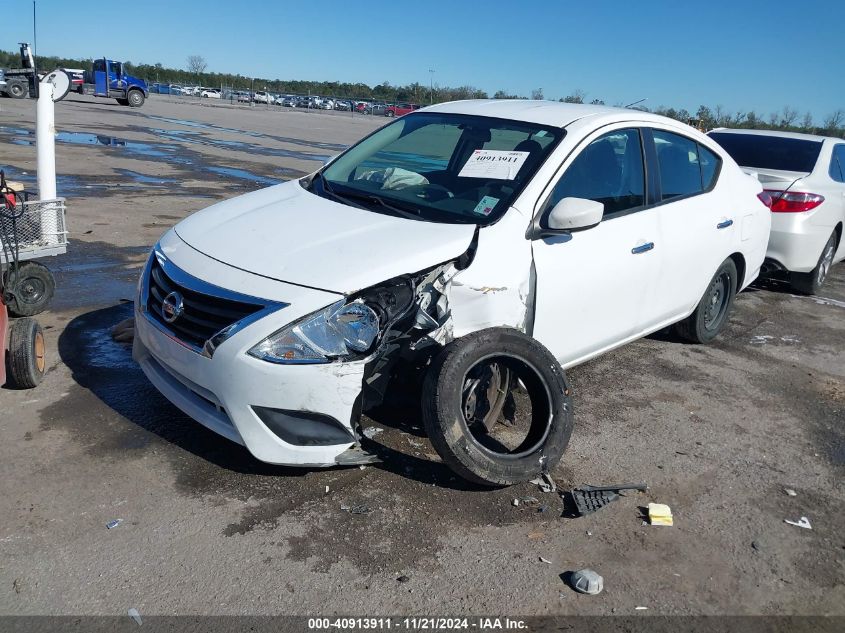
659,514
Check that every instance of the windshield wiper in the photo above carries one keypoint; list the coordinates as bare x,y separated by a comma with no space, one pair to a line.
349,197
367,197
328,190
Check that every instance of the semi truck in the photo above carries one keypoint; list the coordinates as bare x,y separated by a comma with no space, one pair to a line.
105,79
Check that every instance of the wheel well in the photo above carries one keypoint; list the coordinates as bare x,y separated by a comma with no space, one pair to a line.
739,262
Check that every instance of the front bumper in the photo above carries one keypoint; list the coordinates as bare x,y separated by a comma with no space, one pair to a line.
229,390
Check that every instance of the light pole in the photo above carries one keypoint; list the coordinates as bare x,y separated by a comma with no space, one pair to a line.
431,86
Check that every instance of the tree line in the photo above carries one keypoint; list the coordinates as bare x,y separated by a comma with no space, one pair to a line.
195,73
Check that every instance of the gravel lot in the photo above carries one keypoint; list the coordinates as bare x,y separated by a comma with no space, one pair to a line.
718,432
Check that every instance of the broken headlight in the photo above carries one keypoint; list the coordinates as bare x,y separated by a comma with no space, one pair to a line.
341,331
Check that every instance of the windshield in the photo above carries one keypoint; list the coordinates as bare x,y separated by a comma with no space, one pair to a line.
440,167
770,152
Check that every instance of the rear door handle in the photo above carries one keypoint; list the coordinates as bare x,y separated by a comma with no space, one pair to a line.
642,248
724,224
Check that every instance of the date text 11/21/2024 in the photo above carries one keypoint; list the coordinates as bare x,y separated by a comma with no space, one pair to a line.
416,623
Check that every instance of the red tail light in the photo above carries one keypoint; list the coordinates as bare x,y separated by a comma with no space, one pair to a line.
793,201
765,198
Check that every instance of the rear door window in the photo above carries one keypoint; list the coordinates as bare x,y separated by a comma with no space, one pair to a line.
837,163
685,167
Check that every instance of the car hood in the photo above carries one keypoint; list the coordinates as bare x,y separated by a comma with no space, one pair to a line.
289,234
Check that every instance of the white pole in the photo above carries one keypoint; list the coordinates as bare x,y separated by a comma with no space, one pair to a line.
45,146
45,142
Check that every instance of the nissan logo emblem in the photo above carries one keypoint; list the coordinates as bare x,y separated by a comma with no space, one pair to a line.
172,307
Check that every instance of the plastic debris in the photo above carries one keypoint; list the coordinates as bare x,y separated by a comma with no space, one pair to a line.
543,560
588,499
640,608
790,492
659,514
357,509
545,483
403,578
133,613
803,522
113,524
586,581
327,490
515,502
371,431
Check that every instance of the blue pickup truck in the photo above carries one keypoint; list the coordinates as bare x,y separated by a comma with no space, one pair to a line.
107,79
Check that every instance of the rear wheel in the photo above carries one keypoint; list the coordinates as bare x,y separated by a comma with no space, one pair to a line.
135,98
711,313
17,88
34,288
810,283
496,407
27,361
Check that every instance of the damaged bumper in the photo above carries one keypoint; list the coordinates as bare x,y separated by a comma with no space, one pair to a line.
284,414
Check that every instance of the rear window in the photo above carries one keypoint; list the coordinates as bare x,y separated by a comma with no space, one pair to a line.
770,152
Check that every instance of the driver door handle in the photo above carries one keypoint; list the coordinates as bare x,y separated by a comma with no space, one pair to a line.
642,248
724,224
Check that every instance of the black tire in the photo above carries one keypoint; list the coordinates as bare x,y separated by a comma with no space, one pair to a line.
135,99
390,114
810,283
33,289
17,88
711,313
27,363
473,454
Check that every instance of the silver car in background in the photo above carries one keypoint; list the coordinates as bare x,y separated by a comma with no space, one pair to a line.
805,176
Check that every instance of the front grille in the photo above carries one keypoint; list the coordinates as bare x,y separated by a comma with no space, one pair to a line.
204,314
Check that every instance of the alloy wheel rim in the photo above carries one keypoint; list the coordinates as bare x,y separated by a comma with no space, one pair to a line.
825,264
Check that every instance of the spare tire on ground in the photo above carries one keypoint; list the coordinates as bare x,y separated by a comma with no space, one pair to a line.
496,407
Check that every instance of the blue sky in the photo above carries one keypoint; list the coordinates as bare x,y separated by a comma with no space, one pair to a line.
741,54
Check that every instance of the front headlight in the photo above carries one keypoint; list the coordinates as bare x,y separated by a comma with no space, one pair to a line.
339,331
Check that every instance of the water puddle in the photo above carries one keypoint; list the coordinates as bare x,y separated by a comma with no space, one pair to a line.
334,147
169,153
193,137
243,174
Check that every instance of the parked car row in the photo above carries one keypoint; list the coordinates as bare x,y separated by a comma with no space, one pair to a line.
479,249
316,102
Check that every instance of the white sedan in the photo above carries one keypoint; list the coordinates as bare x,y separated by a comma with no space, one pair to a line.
210,93
486,244
805,176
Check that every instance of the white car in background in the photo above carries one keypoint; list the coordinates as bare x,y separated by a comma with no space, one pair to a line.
805,176
210,93
484,245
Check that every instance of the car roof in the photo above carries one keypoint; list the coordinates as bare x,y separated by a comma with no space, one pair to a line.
782,134
553,113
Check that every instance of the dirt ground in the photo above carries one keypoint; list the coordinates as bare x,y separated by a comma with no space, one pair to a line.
718,432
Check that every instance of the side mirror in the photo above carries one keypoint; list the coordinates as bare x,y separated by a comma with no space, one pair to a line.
570,214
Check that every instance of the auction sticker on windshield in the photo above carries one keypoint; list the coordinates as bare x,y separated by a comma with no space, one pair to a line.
486,206
493,163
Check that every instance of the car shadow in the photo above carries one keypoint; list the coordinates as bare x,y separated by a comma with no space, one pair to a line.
105,368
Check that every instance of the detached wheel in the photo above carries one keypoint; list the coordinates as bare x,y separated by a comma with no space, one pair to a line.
496,407
33,291
27,362
135,99
711,313
810,283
